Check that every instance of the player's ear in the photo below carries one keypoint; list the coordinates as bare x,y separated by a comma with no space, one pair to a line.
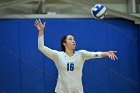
64,43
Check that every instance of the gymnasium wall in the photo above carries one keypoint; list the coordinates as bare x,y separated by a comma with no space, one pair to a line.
24,69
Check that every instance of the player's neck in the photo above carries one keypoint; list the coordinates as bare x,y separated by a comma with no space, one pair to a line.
69,52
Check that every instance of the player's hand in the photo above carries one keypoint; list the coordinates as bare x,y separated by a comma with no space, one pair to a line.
39,25
111,54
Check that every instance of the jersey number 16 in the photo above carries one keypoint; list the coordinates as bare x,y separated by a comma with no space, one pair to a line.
70,67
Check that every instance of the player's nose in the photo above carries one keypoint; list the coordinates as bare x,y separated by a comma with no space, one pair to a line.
73,42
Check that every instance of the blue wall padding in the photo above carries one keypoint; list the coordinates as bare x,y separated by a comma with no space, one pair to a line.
24,69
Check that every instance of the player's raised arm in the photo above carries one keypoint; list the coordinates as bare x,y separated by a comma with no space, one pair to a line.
89,55
52,54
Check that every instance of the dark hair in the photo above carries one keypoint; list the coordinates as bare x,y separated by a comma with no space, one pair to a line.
63,40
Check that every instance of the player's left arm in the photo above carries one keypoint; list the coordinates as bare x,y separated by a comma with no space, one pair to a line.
89,55
110,54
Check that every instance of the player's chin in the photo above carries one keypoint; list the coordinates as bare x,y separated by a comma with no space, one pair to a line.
73,47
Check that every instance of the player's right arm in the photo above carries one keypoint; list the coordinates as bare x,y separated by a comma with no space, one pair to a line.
52,54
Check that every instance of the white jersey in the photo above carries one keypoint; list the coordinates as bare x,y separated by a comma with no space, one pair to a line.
69,68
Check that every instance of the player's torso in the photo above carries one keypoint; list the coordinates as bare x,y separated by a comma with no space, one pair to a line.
70,71
69,64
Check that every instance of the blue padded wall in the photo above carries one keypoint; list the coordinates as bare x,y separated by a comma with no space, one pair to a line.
24,69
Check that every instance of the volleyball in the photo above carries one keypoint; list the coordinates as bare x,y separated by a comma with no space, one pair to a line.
98,11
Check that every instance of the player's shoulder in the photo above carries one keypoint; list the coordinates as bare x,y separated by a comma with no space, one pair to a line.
60,52
77,52
81,51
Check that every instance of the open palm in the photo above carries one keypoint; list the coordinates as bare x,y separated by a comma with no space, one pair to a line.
111,54
39,25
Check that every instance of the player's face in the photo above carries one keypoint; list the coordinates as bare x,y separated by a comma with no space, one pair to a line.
70,42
